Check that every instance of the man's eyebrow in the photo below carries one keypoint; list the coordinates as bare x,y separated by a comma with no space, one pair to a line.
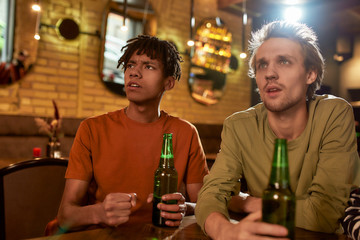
260,60
145,62
156,63
286,56
280,56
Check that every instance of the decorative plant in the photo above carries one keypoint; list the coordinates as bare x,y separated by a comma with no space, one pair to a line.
52,128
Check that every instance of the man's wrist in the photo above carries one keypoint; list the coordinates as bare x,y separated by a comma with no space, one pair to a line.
98,213
215,223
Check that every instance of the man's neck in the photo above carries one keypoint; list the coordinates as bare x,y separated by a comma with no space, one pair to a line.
143,114
288,124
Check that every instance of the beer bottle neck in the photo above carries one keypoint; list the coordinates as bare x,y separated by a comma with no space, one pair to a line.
279,177
167,156
166,162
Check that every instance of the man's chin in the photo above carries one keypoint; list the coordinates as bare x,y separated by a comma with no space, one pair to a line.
274,106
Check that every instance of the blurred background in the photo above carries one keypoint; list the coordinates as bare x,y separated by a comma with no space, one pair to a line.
67,51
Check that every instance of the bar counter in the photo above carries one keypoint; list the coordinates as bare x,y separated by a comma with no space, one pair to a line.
188,230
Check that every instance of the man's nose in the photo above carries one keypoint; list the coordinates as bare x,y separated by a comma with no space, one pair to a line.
271,73
135,72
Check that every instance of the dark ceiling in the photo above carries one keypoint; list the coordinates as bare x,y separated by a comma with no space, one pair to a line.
135,5
339,15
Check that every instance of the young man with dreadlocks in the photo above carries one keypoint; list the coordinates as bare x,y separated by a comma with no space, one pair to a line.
109,180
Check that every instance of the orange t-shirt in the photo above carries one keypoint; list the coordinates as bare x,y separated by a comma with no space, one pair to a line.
116,154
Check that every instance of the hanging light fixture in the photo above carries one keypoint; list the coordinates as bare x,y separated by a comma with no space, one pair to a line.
146,9
37,7
191,42
124,28
37,36
243,54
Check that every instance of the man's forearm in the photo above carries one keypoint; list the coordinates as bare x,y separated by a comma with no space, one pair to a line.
77,217
244,203
215,223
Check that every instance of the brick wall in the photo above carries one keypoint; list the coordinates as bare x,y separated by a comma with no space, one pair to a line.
68,71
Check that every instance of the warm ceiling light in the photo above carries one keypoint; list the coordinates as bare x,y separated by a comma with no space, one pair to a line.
190,43
245,18
292,2
37,36
124,28
338,58
36,7
292,14
243,55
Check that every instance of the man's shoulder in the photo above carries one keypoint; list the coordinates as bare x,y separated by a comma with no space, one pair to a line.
181,123
328,102
250,114
99,119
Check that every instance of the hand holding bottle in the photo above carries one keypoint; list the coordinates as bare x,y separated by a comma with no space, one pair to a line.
172,213
165,183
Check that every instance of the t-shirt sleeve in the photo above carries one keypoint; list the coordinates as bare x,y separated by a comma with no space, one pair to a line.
197,167
222,182
336,175
80,160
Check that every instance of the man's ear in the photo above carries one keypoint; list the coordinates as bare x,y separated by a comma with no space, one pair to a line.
311,76
169,83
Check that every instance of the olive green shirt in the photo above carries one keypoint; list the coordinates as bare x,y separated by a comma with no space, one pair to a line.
323,163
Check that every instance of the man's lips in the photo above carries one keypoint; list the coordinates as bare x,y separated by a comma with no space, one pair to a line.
272,87
269,90
133,85
272,91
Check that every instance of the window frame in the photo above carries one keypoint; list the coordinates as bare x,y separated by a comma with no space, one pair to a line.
8,46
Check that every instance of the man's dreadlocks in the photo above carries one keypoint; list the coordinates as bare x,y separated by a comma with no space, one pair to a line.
154,48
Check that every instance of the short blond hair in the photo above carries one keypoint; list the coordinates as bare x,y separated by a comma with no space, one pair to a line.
298,32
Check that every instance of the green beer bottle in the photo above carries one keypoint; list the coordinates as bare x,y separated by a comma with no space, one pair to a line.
165,179
278,201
